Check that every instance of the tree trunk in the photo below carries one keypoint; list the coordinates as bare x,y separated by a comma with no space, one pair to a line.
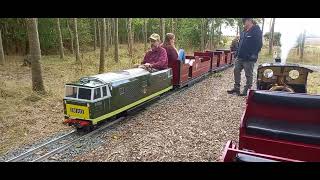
71,37
113,30
145,34
237,30
302,44
130,37
103,43
1,51
172,25
60,39
213,24
35,55
116,41
271,36
107,34
202,35
95,34
219,38
76,38
299,45
211,35
262,26
162,29
99,33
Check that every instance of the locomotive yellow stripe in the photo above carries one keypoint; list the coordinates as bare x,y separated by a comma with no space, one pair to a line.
96,120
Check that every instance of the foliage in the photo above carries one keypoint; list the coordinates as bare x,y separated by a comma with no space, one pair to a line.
188,32
276,38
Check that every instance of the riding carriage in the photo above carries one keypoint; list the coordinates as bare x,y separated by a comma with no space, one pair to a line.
281,121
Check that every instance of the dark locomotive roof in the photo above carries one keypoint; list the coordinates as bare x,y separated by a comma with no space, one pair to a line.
110,77
283,65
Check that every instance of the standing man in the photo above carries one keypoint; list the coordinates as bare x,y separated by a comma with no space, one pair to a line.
247,55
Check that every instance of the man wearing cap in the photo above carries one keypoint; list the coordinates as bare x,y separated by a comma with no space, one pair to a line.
246,55
156,58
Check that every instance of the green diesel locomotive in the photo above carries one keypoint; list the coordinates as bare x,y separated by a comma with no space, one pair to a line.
96,98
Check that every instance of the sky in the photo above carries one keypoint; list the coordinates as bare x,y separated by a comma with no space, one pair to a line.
290,25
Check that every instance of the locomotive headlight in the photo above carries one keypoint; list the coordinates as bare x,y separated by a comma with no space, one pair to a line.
88,105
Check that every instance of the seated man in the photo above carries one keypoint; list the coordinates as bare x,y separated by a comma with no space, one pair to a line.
155,59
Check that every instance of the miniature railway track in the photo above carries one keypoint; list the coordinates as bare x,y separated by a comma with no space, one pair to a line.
32,156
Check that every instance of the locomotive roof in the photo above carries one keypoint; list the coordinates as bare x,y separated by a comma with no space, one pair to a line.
283,65
101,79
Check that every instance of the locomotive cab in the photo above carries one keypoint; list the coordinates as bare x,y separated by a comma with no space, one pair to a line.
282,77
85,99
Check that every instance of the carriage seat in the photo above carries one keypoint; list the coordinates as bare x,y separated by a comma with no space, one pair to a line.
278,129
287,99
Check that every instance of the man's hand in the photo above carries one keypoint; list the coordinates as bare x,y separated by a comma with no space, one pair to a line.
148,65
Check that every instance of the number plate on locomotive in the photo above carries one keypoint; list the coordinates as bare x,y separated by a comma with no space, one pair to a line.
75,111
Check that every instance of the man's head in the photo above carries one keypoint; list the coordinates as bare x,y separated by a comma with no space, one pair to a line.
154,40
247,22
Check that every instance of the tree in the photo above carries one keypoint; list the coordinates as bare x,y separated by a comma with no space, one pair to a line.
145,33
202,34
99,33
262,25
271,36
276,38
116,41
60,39
35,55
107,34
95,34
76,38
302,44
103,43
162,28
1,51
71,37
172,25
130,39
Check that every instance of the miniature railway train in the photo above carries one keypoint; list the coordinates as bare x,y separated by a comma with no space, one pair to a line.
97,98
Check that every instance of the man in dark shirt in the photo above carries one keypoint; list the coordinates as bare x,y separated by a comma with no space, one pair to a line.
247,55
155,59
